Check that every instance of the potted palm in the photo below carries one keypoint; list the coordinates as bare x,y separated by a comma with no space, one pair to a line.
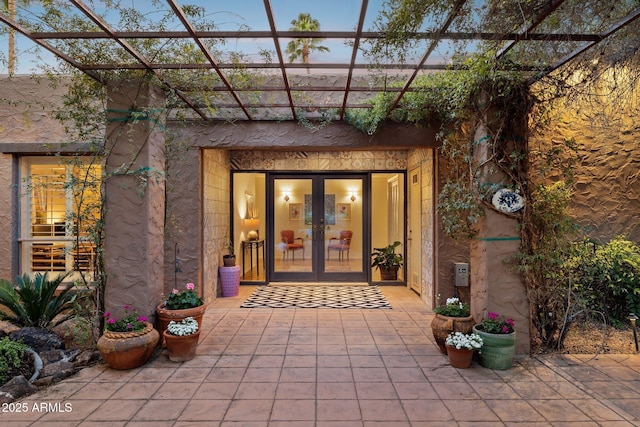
178,306
181,338
387,261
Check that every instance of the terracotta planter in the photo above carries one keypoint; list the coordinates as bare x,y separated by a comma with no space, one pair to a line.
164,316
498,350
442,326
459,358
127,350
181,348
228,260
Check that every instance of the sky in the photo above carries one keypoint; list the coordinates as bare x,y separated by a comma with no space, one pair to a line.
333,15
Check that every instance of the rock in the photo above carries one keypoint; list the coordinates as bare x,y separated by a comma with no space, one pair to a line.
52,356
58,370
16,388
39,339
86,358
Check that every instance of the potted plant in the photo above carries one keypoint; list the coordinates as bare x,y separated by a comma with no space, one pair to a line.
181,338
499,336
387,261
453,316
127,342
178,306
229,260
460,348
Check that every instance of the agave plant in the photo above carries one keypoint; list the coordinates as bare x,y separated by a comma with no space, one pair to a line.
33,302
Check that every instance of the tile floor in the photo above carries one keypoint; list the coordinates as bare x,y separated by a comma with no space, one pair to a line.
338,368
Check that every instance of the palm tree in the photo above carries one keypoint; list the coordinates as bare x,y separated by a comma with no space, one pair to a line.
301,48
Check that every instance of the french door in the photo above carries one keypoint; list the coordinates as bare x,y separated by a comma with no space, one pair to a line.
318,230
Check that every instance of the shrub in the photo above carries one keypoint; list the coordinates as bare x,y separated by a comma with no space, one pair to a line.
11,353
607,277
32,302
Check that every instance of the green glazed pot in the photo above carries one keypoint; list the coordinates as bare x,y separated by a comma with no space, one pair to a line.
498,350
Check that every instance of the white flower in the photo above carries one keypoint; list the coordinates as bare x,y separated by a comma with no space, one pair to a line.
453,301
460,340
187,326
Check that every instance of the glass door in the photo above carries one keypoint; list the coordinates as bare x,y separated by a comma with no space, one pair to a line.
319,228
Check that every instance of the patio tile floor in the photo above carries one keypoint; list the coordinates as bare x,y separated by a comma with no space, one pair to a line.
337,367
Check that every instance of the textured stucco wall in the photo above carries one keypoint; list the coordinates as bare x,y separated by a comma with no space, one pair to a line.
7,222
183,219
606,200
135,203
27,107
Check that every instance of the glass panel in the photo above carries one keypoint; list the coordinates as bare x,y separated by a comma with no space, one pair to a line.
387,215
249,197
343,225
293,216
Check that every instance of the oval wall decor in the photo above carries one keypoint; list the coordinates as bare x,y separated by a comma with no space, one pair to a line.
507,200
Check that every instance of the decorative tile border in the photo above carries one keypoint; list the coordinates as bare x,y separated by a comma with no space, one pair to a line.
318,160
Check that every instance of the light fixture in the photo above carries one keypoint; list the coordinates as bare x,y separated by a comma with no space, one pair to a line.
633,318
353,196
286,197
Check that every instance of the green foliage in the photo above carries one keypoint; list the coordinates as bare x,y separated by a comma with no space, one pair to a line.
386,257
11,353
130,322
453,308
32,302
179,300
606,278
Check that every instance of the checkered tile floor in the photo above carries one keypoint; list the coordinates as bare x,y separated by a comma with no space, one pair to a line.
317,297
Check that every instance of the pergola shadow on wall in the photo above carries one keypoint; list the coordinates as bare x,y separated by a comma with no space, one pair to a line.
219,65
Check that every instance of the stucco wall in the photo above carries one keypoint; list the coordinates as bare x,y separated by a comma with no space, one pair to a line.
606,200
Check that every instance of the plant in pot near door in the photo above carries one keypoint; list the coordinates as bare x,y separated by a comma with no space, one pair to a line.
181,338
499,337
229,260
453,316
387,261
127,342
179,305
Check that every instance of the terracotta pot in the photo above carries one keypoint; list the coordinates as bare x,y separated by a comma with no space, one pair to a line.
164,316
228,260
498,350
459,358
442,326
127,350
181,348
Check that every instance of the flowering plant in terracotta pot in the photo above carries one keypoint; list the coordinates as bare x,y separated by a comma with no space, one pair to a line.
128,341
179,300
184,327
453,308
130,322
467,341
178,306
182,338
453,316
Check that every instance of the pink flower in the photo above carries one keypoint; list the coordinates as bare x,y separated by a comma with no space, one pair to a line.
107,314
505,329
190,286
493,316
127,307
510,322
142,319
129,326
111,321
175,292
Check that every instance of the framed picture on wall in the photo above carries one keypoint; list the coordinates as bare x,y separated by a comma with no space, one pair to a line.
343,211
295,211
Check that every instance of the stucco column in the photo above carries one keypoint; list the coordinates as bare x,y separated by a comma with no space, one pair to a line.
495,286
135,200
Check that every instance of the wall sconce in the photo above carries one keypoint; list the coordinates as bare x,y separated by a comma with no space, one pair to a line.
353,196
286,196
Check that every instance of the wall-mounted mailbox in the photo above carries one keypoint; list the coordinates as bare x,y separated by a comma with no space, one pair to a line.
461,274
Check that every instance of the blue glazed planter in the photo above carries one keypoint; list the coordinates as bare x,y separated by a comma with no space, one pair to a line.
498,350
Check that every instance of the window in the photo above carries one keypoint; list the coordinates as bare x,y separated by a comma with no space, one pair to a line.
60,211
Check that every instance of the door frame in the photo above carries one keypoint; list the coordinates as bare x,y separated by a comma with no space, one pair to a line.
318,274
